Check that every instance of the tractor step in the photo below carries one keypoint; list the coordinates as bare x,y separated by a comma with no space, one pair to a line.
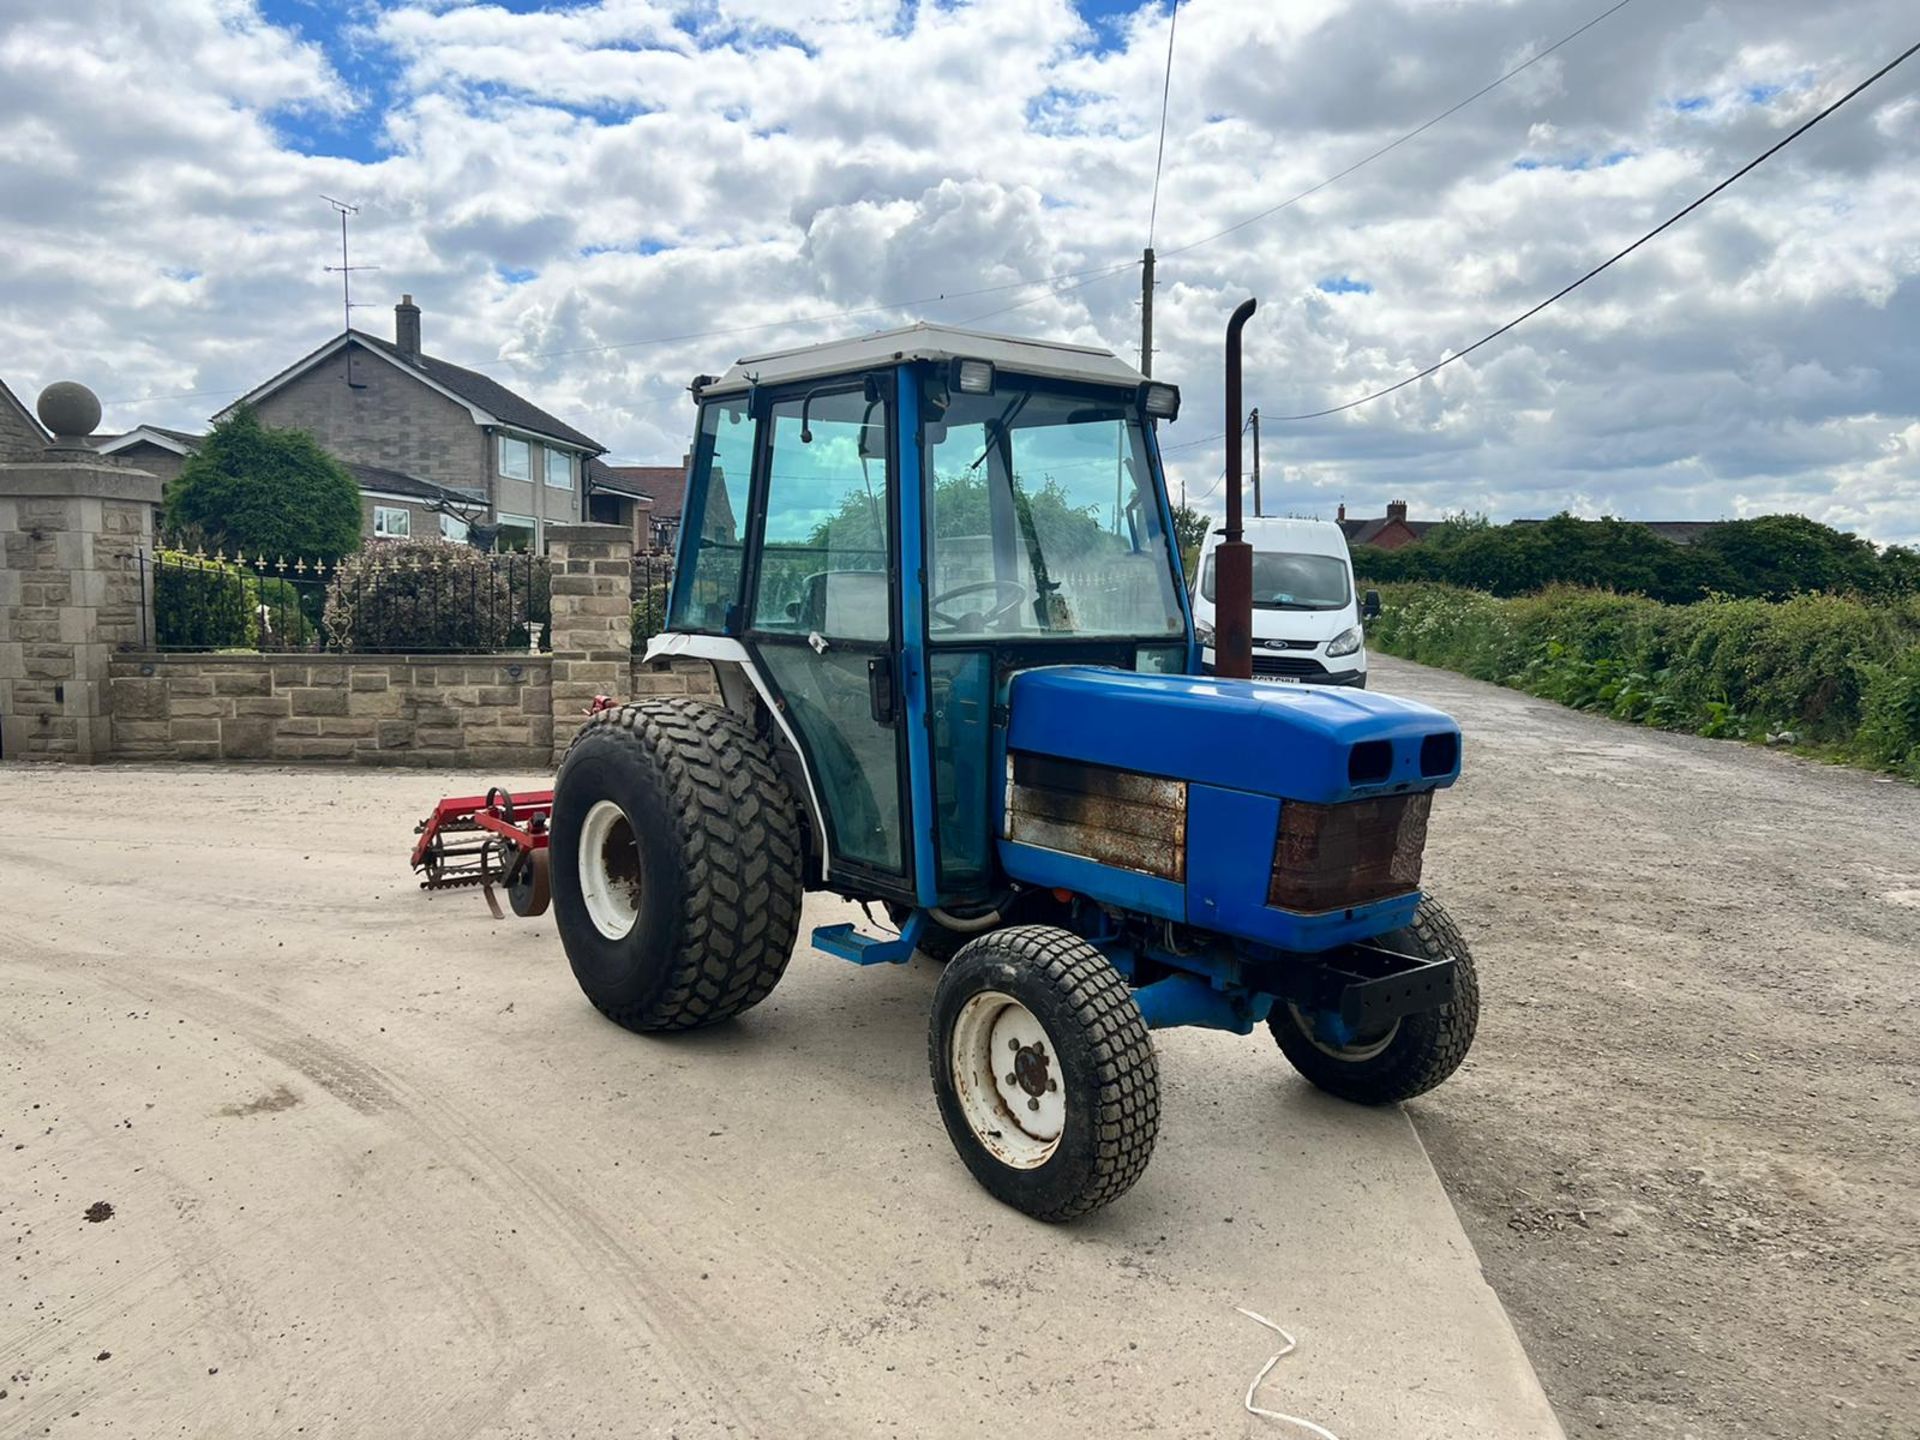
851,943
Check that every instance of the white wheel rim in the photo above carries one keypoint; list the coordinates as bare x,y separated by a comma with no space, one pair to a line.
610,870
1353,1053
1006,1073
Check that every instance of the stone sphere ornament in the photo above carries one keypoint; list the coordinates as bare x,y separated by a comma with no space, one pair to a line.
69,409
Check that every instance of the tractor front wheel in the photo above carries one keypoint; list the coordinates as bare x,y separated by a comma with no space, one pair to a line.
674,864
1403,1058
1045,1071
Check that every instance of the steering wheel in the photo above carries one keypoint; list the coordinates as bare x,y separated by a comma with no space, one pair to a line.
977,619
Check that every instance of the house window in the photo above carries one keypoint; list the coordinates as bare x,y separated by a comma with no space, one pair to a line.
559,469
516,458
392,522
453,528
517,532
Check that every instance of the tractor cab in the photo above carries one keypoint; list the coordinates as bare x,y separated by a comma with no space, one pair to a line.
879,534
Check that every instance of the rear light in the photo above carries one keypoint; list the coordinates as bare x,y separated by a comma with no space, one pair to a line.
1332,857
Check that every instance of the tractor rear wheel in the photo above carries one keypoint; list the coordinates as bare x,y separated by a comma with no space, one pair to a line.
674,860
1045,1071
1406,1057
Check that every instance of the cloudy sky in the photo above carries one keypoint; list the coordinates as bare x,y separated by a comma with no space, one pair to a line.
549,181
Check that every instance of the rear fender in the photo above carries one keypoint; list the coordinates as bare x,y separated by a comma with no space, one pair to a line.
744,691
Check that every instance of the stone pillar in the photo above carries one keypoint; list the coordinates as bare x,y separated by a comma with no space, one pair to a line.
592,621
72,529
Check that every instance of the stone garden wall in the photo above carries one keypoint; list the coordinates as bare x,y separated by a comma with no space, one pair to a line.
479,711
435,710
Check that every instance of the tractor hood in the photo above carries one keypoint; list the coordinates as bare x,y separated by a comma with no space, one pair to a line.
1318,744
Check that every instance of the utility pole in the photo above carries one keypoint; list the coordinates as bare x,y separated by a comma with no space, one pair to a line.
1256,462
1146,311
346,278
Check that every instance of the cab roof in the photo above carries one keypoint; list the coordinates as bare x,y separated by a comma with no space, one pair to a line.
1044,358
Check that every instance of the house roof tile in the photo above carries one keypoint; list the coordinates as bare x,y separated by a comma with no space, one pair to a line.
488,394
398,482
664,485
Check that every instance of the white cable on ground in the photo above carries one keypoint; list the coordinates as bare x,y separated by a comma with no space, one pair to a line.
1266,1370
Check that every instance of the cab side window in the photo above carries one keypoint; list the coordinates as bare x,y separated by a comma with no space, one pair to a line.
708,596
824,562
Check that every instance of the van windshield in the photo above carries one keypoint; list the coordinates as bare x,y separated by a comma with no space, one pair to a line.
1292,582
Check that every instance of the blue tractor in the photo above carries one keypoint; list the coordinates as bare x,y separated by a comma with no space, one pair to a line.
934,574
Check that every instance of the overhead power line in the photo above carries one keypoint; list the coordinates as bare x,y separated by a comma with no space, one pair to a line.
1315,189
1618,256
1392,145
1160,155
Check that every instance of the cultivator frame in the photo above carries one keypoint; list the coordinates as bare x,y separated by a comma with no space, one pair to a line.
487,840
508,848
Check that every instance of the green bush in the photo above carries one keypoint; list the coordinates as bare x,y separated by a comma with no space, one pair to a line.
428,595
267,492
202,604
1843,673
1768,558
1890,732
649,614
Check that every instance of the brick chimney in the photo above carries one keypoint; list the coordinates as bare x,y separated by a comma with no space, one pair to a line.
1340,515
406,328
1396,511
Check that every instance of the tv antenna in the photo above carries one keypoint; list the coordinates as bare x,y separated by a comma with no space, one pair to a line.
346,271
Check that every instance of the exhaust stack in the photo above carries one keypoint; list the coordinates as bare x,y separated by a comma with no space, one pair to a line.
1233,560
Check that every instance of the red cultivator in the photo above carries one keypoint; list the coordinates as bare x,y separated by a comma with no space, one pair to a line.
492,839
488,840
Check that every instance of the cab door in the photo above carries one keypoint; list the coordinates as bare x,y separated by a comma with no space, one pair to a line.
821,621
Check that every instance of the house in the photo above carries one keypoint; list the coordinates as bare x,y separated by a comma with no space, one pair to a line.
1388,532
151,447
22,437
435,446
646,497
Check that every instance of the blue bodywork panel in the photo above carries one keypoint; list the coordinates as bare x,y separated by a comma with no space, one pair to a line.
1244,750
1290,741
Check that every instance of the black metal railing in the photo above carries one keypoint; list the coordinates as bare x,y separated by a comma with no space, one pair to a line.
652,583
427,597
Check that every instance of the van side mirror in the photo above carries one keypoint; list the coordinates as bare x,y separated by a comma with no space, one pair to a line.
1370,605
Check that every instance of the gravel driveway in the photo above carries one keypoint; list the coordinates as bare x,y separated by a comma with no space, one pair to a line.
1687,1143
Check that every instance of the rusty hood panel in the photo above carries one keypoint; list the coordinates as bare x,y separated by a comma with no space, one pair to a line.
1292,741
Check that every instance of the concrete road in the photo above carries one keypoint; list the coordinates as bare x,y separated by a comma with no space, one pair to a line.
377,1169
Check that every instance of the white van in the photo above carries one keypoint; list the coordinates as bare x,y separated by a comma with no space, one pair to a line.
1307,616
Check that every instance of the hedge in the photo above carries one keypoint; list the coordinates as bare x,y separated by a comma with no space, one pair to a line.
203,604
412,595
1839,674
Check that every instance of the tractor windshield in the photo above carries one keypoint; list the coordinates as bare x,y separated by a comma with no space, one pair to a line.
1045,519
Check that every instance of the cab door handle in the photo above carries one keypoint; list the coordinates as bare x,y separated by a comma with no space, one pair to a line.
881,699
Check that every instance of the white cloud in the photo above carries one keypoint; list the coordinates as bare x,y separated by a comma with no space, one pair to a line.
606,172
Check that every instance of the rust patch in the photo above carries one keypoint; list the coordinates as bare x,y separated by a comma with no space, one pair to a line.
1130,821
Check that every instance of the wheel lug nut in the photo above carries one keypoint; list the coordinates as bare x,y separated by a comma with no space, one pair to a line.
1014,1045
1052,1085
1012,1079
1033,1104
